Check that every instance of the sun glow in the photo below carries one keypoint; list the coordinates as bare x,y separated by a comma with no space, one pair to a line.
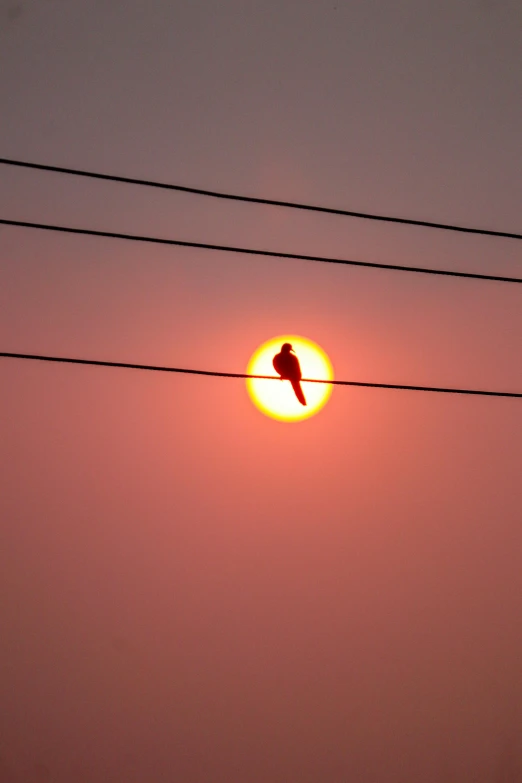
276,398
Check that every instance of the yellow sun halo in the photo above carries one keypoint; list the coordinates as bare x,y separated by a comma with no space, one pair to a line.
277,398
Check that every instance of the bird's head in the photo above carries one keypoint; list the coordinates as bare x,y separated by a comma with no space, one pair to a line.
286,348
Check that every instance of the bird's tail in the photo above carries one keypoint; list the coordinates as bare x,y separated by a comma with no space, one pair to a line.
296,386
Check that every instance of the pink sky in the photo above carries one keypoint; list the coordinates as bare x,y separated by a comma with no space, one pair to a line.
189,590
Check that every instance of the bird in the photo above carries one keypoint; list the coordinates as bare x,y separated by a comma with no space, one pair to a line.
286,364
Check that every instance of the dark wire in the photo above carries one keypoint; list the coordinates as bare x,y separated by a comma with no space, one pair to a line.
156,368
253,200
251,251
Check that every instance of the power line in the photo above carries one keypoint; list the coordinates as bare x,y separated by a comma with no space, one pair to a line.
255,252
254,200
156,368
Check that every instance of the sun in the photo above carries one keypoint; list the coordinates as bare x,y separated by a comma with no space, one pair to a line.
276,398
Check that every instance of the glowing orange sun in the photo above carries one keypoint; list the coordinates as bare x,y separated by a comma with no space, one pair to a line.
276,398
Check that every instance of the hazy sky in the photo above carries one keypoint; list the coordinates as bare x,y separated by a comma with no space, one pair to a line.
190,591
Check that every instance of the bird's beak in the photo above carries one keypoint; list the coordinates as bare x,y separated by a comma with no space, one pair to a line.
292,350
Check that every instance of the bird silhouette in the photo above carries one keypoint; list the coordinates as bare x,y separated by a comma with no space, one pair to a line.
287,365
